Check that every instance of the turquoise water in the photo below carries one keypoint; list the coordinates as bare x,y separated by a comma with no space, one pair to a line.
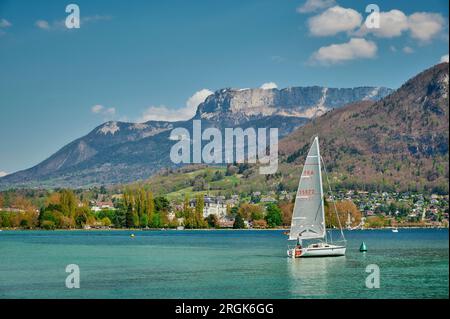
219,264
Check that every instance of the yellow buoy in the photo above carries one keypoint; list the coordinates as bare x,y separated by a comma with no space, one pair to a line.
132,235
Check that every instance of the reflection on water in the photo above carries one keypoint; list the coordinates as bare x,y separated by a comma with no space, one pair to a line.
312,277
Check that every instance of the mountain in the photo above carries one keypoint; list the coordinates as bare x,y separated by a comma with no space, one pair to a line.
234,106
399,142
117,152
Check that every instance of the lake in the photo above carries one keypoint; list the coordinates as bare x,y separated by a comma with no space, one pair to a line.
219,264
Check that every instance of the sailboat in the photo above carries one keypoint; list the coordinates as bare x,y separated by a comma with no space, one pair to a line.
308,217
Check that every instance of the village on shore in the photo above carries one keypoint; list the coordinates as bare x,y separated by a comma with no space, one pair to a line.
137,208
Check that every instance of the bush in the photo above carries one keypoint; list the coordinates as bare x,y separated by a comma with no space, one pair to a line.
48,225
106,221
260,223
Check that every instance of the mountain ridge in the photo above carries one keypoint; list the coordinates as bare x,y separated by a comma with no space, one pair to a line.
118,152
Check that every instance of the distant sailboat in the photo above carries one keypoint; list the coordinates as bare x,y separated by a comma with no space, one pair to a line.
308,218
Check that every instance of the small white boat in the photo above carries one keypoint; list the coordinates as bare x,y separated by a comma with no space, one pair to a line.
308,217
395,230
320,249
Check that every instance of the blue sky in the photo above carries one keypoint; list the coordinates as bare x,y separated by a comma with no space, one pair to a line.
137,60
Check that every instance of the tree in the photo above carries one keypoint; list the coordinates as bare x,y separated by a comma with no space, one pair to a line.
286,212
119,219
234,211
143,221
238,222
218,175
130,218
344,208
81,217
106,221
6,222
150,206
161,204
198,215
273,215
212,221
68,202
251,211
140,202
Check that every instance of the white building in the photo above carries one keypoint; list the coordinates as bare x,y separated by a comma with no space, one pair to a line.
212,206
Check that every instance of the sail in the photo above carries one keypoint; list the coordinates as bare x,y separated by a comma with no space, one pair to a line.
308,218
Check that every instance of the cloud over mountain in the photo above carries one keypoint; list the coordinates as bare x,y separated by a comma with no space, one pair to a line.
164,113
334,20
356,48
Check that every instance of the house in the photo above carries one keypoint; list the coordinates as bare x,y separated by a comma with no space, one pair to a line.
212,206
268,199
171,216
98,206
226,223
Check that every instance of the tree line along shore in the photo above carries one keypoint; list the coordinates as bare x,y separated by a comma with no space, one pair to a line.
137,208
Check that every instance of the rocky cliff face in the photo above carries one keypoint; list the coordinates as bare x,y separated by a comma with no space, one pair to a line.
117,152
305,102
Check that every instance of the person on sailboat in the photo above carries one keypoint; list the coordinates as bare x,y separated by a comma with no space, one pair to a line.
299,243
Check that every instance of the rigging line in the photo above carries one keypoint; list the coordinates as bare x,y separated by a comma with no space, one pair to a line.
334,202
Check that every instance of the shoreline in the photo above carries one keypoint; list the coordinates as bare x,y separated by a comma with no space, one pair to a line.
209,229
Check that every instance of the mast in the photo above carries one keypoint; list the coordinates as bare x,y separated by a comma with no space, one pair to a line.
321,185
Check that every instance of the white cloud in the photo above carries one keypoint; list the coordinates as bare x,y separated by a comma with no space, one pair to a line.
42,24
277,59
61,24
424,26
5,23
408,50
356,48
333,21
269,85
97,108
164,113
197,98
315,5
95,18
392,24
2,173
107,113
444,58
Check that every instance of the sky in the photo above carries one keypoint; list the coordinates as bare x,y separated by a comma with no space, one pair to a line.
140,60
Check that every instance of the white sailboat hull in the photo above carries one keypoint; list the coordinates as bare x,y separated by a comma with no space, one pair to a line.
315,250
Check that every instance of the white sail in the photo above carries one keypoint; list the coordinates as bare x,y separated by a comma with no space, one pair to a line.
308,218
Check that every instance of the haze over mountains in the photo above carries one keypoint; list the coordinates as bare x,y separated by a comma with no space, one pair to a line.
118,152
